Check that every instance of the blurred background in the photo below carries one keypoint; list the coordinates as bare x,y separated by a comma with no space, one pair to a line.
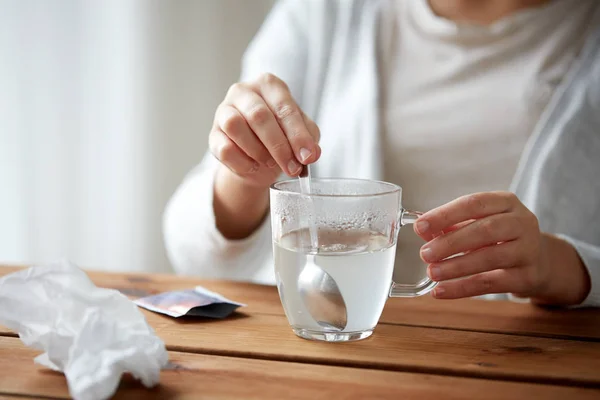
104,106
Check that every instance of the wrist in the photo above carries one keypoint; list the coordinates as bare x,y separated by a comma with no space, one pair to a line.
239,207
565,280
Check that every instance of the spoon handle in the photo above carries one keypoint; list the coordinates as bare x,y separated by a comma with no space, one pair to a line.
305,188
305,173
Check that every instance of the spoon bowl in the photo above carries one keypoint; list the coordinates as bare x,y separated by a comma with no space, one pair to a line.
322,297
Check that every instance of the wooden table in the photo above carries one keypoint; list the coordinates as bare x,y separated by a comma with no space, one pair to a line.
422,348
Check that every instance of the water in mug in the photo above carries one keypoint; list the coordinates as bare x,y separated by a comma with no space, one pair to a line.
361,263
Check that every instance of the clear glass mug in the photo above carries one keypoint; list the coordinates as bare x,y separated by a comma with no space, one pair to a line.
334,288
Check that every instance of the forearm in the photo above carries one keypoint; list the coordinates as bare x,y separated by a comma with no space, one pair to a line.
568,282
239,208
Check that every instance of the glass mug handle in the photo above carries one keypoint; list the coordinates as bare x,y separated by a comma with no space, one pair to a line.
411,290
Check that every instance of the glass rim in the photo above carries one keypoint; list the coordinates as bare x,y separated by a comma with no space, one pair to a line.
393,188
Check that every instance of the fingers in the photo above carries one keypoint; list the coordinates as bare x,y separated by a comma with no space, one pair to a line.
481,233
263,122
458,226
315,132
496,281
430,236
505,255
226,151
231,122
313,129
481,244
474,206
264,125
289,116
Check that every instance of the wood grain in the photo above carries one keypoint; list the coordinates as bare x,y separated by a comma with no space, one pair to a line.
393,347
466,314
192,376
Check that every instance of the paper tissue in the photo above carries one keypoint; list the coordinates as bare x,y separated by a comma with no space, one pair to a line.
90,334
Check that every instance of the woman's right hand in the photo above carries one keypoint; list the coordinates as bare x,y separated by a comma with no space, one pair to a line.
259,131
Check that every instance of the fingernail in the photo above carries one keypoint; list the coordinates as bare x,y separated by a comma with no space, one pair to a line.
293,167
438,291
434,272
426,253
271,163
304,154
422,226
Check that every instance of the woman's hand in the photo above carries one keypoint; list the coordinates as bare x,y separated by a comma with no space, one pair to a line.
491,243
259,131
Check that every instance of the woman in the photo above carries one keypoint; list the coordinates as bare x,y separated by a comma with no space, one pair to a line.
458,101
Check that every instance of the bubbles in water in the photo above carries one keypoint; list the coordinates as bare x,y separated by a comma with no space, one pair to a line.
337,248
333,247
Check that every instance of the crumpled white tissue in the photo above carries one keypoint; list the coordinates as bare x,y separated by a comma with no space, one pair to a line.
90,334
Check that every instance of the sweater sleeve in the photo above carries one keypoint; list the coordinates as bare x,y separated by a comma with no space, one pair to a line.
193,243
196,247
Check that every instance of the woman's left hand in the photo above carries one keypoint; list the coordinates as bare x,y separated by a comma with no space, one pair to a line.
493,243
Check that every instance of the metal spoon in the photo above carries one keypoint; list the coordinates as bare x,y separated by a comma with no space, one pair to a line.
322,296
319,292
305,188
